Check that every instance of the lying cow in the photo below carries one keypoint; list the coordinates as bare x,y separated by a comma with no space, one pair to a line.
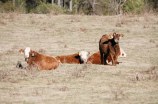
43,62
77,58
95,58
109,46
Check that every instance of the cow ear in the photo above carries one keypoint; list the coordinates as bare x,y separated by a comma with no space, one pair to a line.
111,35
114,33
21,51
33,55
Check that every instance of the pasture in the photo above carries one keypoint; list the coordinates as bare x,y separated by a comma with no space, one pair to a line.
133,81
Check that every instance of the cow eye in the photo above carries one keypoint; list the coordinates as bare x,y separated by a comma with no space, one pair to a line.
87,54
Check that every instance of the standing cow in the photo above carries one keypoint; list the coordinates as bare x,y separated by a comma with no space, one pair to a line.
109,46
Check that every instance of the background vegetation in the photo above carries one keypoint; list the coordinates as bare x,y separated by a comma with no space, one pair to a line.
89,7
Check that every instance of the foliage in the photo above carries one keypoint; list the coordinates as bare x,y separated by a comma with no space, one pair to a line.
44,8
7,7
88,7
134,6
31,4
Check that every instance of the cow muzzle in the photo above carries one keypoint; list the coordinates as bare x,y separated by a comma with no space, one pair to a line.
116,40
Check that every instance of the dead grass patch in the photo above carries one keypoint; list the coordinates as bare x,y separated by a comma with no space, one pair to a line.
128,31
6,76
83,29
80,72
33,22
117,94
42,51
146,26
152,41
63,88
150,74
118,24
43,29
3,22
153,27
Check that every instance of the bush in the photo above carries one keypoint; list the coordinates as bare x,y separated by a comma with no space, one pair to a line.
7,7
44,8
134,6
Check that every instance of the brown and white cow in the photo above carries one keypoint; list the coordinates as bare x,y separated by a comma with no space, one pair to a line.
109,47
43,62
95,58
77,58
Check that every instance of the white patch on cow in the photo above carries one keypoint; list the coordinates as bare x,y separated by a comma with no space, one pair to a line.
26,52
108,62
123,54
84,55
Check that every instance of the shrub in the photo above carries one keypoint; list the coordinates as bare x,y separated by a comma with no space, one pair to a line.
7,7
135,6
44,8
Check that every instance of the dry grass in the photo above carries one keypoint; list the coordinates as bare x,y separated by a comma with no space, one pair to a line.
135,80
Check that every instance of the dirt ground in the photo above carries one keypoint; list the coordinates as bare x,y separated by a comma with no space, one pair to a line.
133,81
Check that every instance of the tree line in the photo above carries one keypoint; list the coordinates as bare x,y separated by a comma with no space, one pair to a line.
88,7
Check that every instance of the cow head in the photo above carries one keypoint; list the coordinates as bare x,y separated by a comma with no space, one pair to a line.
84,56
116,36
26,53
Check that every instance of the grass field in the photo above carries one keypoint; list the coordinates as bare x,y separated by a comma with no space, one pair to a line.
134,81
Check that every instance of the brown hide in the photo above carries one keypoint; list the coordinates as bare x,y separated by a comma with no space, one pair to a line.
43,62
95,59
71,59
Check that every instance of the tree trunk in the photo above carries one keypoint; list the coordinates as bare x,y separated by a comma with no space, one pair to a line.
58,2
93,6
63,3
70,5
52,2
14,3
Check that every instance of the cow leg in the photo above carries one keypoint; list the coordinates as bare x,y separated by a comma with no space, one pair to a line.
115,59
101,58
105,58
112,58
117,51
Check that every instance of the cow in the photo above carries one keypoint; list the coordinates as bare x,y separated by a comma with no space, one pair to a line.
43,62
109,47
77,58
95,58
